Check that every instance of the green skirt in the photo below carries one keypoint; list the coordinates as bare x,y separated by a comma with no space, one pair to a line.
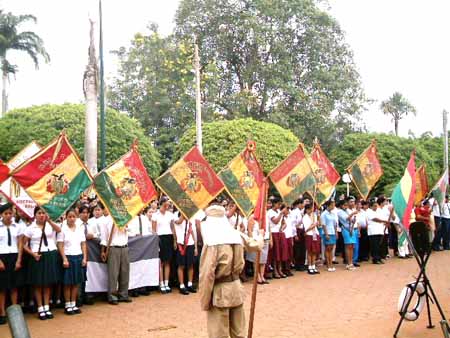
46,271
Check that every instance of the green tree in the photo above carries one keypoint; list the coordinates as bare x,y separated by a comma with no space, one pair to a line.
223,140
283,61
398,107
394,154
12,39
43,123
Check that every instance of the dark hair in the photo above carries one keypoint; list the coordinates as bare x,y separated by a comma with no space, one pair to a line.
163,200
83,208
298,201
308,207
37,208
275,200
71,210
328,203
372,203
341,203
381,199
364,203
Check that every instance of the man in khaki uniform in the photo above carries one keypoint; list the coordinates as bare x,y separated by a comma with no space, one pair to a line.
222,260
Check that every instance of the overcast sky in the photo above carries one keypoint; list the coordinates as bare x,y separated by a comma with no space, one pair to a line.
399,45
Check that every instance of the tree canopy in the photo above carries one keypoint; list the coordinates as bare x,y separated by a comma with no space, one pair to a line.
398,107
43,123
223,140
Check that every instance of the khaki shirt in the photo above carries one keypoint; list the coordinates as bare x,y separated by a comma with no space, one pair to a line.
216,264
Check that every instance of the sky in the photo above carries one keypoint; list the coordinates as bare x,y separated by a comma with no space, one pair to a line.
398,45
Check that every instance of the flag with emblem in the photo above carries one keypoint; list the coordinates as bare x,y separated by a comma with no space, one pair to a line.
243,178
405,192
125,187
293,176
366,170
190,183
54,177
4,171
326,175
422,187
440,189
12,190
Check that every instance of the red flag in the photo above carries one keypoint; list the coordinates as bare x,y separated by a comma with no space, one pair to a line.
4,171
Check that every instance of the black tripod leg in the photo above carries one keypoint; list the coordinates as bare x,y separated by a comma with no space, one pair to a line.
426,285
436,300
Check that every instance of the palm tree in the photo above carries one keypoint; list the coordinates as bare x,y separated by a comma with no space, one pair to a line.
398,107
12,39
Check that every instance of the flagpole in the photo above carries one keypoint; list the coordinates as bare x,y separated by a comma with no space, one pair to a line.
102,95
444,116
198,105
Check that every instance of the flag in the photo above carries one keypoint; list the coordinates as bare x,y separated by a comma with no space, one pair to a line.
243,179
440,189
326,175
422,187
366,170
144,264
293,176
12,190
190,183
125,187
54,177
404,193
4,171
261,205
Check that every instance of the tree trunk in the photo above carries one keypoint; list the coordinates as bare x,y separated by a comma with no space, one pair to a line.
4,93
90,87
396,126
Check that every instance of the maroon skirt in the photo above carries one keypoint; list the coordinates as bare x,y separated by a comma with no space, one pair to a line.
311,245
289,251
277,249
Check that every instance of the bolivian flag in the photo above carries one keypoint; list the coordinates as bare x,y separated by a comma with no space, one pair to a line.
366,170
55,177
326,175
404,193
293,176
125,188
243,179
190,183
422,187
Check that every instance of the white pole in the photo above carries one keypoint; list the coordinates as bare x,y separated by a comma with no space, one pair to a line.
198,105
348,189
445,115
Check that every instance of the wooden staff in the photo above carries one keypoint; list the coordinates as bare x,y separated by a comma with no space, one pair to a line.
262,222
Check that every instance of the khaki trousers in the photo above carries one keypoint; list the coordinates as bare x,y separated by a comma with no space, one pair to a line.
226,322
118,272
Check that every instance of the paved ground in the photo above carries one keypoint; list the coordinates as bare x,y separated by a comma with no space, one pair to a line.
358,304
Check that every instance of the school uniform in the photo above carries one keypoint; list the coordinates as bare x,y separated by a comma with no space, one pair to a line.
361,221
164,231
375,231
277,249
299,244
312,238
95,225
346,227
289,238
47,270
185,242
329,221
118,260
72,240
251,256
9,250
445,224
139,226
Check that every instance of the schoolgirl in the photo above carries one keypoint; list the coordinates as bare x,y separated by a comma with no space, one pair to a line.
43,271
72,248
312,238
254,229
275,217
345,217
10,258
328,220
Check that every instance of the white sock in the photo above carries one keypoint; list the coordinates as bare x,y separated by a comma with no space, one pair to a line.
314,267
166,283
181,286
67,305
162,285
189,284
46,308
309,267
40,309
72,304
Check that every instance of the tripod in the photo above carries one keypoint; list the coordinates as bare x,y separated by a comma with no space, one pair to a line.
422,252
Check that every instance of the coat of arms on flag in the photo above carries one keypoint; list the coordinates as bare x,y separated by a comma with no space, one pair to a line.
190,183
54,177
125,187
243,179
294,176
366,170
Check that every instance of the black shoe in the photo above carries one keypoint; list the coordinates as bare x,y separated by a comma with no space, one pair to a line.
183,291
356,264
68,311
113,302
289,274
311,272
144,292
402,257
134,293
191,289
125,300
76,310
335,262
49,314
2,320
377,262
42,315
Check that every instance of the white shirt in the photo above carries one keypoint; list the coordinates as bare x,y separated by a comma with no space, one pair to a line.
163,222
95,226
274,227
445,210
296,215
16,230
435,207
308,221
361,219
375,228
290,227
134,227
72,239
119,237
182,229
34,233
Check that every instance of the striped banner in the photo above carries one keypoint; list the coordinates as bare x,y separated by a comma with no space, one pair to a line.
190,183
243,179
404,193
54,177
125,187
294,176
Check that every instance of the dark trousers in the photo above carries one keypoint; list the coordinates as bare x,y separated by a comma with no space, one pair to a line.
364,245
340,246
300,249
384,246
445,225
375,247
439,233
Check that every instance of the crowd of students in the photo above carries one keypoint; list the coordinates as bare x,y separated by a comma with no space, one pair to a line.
43,263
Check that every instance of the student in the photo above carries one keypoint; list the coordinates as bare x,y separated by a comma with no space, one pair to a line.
72,248
10,258
161,224
43,270
329,223
275,217
296,214
375,230
345,218
96,222
312,238
290,232
185,244
83,222
254,230
361,220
